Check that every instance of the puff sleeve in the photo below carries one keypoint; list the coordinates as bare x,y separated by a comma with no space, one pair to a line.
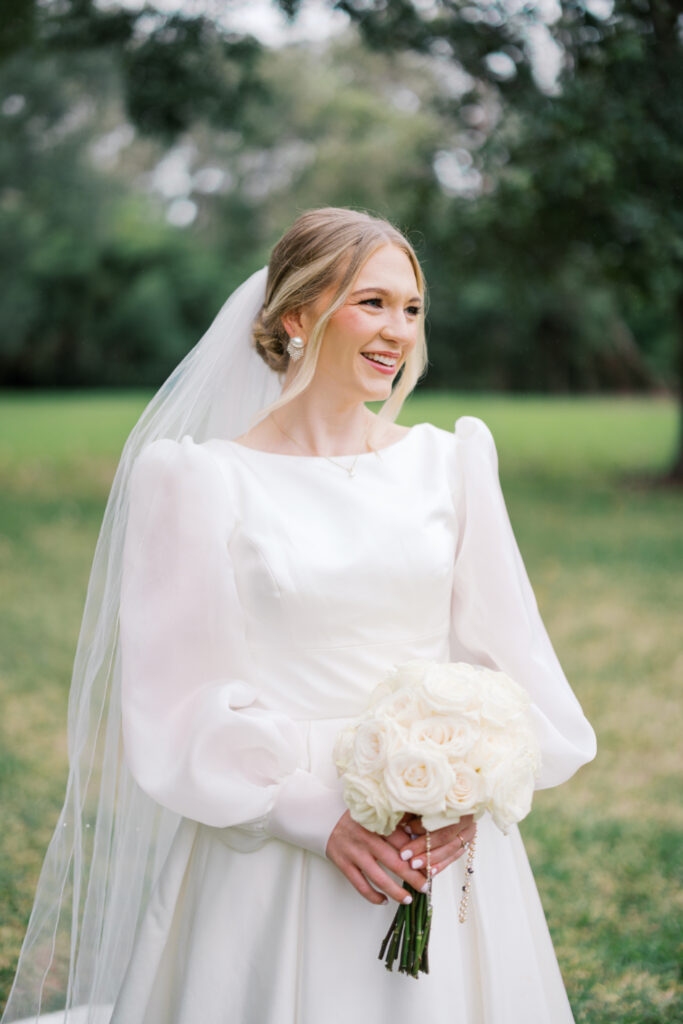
494,615
196,738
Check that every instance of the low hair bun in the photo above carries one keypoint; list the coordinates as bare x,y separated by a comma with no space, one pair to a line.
270,341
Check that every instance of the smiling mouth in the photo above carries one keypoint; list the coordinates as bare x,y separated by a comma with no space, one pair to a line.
388,367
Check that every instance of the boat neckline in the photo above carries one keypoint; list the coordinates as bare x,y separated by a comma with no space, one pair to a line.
348,455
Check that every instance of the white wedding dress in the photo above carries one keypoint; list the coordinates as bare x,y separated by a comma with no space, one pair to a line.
263,597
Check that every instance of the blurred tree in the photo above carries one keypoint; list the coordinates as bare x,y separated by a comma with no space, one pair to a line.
95,287
175,68
586,174
340,128
545,242
99,288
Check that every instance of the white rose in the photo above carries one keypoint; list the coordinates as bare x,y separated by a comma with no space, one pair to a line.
450,689
502,700
374,740
412,673
408,674
368,804
466,795
401,707
493,748
511,788
343,749
526,743
417,780
382,690
452,735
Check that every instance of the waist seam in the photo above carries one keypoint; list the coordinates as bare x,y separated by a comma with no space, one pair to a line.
443,631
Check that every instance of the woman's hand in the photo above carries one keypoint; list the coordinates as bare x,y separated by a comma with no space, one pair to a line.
362,856
447,844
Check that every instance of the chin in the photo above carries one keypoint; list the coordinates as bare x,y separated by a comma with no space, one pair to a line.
375,394
376,390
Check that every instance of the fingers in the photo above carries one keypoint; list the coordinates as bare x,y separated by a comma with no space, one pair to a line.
412,827
390,859
438,837
360,882
397,839
452,851
368,876
449,858
384,882
446,843
362,856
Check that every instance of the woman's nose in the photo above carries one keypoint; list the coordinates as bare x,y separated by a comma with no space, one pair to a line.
398,328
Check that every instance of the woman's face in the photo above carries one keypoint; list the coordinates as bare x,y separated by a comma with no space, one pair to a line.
380,316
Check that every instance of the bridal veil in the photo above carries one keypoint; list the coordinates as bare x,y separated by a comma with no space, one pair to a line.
111,839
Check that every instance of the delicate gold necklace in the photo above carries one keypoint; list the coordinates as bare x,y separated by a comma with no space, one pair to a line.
350,470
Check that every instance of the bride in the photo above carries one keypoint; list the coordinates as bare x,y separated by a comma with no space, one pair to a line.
269,550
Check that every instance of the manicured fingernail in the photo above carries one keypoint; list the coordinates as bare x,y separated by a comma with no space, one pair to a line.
434,870
407,828
425,887
417,863
406,855
407,899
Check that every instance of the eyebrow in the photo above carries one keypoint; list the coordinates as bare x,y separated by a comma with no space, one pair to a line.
382,291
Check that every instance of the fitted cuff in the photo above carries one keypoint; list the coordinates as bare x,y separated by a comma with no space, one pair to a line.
305,812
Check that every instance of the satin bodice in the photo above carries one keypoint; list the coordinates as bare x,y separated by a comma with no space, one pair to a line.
340,576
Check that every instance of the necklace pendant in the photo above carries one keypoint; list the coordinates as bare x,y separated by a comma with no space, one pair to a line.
352,471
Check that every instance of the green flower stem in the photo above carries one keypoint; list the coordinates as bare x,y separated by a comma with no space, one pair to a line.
419,912
395,939
408,936
387,937
425,955
414,924
422,951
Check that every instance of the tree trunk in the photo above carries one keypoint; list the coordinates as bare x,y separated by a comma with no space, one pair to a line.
675,473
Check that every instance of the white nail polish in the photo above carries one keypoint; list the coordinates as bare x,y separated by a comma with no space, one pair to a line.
417,863
406,855
407,899
425,887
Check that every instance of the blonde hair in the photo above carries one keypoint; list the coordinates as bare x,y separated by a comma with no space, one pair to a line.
324,247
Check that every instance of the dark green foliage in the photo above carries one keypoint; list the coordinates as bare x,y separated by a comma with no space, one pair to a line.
185,70
586,199
562,272
17,25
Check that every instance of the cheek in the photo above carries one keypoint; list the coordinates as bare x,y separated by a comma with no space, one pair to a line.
350,323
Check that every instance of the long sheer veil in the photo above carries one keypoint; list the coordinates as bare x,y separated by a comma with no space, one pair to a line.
111,839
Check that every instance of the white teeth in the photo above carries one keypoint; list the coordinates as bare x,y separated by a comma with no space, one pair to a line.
384,360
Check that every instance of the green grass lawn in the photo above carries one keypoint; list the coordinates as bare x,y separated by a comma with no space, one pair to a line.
604,553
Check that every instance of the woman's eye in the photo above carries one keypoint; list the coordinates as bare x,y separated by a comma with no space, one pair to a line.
377,303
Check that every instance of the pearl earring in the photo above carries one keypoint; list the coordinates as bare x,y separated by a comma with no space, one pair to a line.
295,348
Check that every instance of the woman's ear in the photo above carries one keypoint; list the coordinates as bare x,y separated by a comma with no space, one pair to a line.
293,323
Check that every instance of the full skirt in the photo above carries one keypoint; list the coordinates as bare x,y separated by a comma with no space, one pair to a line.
279,936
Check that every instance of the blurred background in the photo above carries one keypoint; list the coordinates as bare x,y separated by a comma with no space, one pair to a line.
151,155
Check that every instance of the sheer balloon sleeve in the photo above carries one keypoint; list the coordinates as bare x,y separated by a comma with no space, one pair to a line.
494,615
196,737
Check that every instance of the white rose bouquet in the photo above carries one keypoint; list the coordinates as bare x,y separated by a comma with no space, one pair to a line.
438,741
